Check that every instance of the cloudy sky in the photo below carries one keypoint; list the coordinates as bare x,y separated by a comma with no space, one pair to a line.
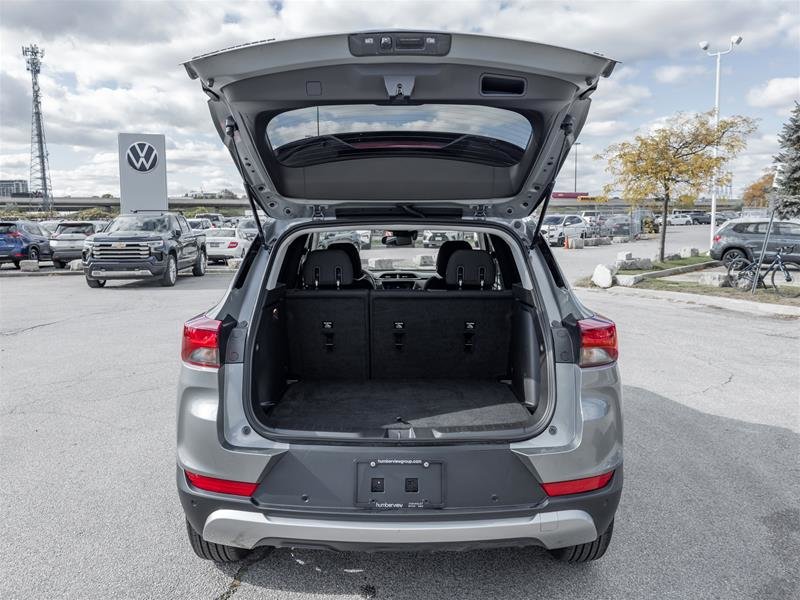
114,66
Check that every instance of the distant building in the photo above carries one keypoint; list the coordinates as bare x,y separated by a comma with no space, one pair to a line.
201,195
10,187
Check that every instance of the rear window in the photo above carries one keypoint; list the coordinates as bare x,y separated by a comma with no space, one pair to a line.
83,228
486,121
221,233
553,220
249,224
381,250
7,228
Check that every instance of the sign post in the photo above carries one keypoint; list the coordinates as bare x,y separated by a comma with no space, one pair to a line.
142,172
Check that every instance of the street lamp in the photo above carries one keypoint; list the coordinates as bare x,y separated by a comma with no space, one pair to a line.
735,41
575,145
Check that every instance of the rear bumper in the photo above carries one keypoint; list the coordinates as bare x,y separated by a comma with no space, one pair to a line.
129,269
66,255
556,523
215,253
246,529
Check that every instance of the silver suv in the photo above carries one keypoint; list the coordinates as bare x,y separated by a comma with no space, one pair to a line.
399,397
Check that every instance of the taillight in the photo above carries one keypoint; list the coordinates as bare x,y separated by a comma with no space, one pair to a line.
233,244
577,486
598,341
717,238
201,342
15,234
221,486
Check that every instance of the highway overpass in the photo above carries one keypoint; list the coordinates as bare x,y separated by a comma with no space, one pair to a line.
79,203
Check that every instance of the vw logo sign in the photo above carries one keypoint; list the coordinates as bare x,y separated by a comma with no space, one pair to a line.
142,157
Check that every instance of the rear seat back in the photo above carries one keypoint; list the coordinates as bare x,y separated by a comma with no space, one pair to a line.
440,334
328,334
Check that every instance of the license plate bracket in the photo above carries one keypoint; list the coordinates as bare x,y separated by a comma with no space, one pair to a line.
391,484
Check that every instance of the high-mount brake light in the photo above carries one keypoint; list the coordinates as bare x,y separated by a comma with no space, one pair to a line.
598,341
201,342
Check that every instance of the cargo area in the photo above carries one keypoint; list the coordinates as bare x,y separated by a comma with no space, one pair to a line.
380,364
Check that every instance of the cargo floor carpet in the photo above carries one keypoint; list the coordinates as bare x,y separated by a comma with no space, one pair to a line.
348,406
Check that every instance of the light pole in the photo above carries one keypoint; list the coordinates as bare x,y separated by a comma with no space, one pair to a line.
575,145
734,41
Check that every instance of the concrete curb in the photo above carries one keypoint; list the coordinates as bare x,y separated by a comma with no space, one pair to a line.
631,280
734,304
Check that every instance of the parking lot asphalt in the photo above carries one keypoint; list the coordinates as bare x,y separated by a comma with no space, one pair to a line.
87,434
581,263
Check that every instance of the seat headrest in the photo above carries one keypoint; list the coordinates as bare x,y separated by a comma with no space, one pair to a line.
446,251
470,269
352,252
327,269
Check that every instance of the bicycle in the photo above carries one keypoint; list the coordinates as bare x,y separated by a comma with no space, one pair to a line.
742,272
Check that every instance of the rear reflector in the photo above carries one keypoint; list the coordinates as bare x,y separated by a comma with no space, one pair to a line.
221,486
577,486
598,341
201,342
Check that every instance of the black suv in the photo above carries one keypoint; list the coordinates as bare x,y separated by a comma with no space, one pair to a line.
144,246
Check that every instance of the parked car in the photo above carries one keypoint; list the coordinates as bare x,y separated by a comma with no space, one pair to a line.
365,239
337,237
49,225
23,240
617,225
248,229
214,218
434,239
593,217
100,225
705,219
313,411
744,238
675,219
556,227
147,245
66,242
225,243
199,224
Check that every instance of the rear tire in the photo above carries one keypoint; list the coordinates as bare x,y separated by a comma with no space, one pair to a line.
585,552
733,254
171,272
211,551
199,268
96,283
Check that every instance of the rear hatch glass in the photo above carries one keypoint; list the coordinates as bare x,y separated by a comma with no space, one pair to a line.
320,134
6,228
